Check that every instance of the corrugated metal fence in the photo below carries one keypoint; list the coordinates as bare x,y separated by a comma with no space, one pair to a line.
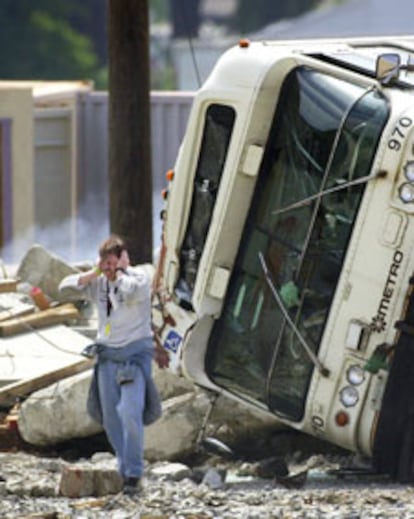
71,159
169,115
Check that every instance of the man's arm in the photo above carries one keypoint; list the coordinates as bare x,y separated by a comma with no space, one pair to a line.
79,280
86,277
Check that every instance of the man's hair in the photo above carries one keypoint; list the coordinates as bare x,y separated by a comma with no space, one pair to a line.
112,245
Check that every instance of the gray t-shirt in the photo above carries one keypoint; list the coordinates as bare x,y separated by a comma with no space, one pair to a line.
124,305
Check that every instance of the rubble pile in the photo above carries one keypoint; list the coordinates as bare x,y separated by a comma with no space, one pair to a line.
45,379
55,461
44,487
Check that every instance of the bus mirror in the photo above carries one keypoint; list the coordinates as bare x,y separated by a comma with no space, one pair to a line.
387,68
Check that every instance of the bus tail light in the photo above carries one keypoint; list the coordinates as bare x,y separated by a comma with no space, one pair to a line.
342,418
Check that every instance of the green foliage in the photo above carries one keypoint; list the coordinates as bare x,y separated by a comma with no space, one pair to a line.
79,59
60,39
38,42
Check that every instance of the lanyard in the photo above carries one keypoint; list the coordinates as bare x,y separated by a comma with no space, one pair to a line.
109,305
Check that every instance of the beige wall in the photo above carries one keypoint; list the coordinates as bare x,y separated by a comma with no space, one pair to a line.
17,105
43,169
59,161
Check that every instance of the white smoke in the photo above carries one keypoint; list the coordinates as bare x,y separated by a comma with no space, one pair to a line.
76,239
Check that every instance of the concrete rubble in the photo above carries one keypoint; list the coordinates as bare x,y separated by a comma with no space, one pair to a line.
55,461
53,487
55,412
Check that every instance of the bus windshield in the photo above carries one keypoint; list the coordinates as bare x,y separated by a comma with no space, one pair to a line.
324,136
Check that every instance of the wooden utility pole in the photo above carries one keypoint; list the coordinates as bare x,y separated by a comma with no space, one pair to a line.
130,184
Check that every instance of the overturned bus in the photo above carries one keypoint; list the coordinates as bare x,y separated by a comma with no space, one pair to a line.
286,274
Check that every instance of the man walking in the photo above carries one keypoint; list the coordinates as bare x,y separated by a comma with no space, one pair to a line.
123,397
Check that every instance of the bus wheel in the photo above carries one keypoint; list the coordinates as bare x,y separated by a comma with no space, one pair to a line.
405,470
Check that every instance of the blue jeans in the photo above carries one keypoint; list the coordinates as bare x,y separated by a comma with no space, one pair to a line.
122,412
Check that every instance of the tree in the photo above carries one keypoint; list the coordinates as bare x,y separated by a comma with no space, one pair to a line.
89,17
37,41
130,186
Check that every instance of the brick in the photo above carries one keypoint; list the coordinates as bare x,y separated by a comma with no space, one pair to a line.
85,481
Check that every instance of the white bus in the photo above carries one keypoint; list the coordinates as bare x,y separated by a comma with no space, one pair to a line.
287,267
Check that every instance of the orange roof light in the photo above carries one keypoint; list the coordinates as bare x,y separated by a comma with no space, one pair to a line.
244,43
164,194
169,175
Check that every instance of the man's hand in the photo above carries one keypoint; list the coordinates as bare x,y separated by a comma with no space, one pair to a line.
161,356
123,261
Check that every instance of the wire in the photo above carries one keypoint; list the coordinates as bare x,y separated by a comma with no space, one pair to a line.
28,326
197,72
190,43
31,328
19,396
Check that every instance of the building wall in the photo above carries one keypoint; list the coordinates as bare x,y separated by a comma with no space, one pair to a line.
169,115
16,105
53,166
59,165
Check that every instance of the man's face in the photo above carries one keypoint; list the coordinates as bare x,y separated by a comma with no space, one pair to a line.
108,265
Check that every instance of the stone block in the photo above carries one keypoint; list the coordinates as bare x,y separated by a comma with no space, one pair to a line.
45,270
77,481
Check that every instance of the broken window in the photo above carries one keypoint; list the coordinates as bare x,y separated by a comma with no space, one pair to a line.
320,150
218,128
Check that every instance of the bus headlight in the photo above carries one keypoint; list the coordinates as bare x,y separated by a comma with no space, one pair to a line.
355,375
349,396
409,170
407,192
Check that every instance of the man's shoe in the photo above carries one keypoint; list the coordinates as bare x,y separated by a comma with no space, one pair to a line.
132,486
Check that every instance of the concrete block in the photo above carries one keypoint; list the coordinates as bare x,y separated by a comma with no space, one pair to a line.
45,270
77,481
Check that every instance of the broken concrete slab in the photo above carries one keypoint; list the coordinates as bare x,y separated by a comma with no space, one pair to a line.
18,391
170,384
15,304
41,268
35,354
57,413
175,434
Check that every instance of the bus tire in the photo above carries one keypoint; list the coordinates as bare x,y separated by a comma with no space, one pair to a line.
405,471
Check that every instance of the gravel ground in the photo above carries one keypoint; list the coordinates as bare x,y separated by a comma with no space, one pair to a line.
30,489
